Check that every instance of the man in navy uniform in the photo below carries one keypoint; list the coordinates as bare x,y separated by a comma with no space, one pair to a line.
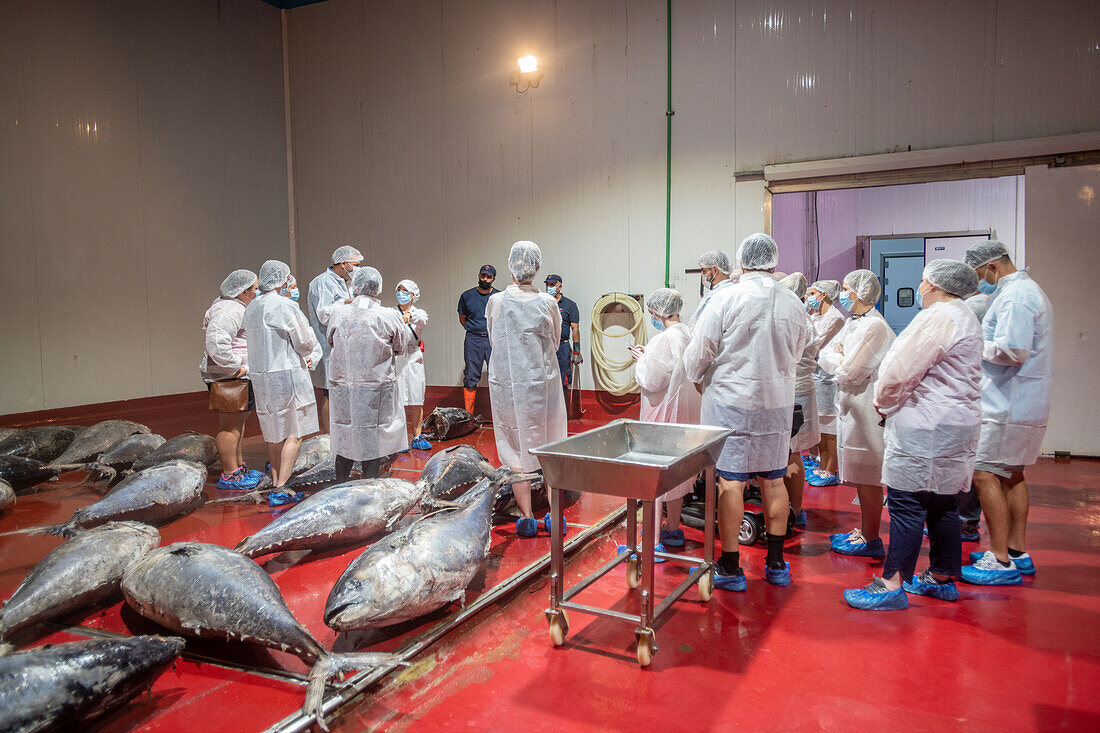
570,326
476,349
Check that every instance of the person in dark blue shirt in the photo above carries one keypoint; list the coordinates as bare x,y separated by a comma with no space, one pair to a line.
570,326
476,349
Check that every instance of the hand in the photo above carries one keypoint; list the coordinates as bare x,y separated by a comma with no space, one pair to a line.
348,300
576,358
840,349
309,363
879,410
240,373
406,317
635,352
698,387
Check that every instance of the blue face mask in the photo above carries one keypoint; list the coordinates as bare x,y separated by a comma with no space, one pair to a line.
812,305
846,300
291,293
986,287
404,296
552,290
658,323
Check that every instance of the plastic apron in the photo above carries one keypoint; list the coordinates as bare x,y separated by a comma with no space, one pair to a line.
411,384
326,291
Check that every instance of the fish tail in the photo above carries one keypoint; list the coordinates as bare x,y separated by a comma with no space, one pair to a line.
255,496
331,665
506,477
54,529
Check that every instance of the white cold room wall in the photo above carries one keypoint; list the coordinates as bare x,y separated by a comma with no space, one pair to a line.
142,158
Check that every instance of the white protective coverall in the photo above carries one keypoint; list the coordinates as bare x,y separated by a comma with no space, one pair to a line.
707,297
744,351
805,392
929,388
859,437
226,349
326,291
366,418
1017,369
411,383
826,327
279,342
524,380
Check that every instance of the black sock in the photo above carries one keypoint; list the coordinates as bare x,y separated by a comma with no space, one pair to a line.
1006,564
343,468
1015,553
730,563
774,560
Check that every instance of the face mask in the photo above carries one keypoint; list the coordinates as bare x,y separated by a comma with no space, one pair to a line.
707,284
552,290
484,285
846,300
812,305
404,296
986,287
293,294
658,323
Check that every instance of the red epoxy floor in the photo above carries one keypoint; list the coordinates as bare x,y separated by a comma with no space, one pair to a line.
1024,658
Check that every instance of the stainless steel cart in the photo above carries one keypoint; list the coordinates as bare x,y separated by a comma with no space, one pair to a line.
639,461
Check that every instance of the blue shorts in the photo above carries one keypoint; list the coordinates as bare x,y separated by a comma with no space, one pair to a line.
738,476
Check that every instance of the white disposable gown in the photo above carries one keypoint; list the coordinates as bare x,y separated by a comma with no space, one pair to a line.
929,387
668,396
1018,333
826,326
524,381
805,393
279,342
859,438
411,384
366,419
326,291
706,300
226,349
744,351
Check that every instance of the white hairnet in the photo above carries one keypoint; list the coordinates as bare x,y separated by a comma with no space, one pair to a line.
983,253
758,252
796,281
347,253
952,276
273,273
831,289
237,282
864,285
412,287
716,258
665,302
366,281
524,260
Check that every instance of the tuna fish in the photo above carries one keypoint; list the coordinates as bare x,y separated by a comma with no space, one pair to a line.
121,456
452,471
6,433
69,686
43,443
189,446
94,441
447,423
323,472
210,591
416,570
77,574
312,451
23,473
154,496
7,495
339,515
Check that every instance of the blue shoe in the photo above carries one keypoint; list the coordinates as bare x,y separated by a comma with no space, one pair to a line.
809,462
527,527
672,537
987,570
926,585
620,549
546,524
736,583
781,578
875,597
800,519
237,481
854,544
421,443
813,478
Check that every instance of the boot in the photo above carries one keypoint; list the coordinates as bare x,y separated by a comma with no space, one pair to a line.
469,396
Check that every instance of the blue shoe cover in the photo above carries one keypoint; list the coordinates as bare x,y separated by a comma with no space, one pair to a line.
527,527
282,498
421,443
875,597
406,450
815,479
800,519
782,578
809,462
238,482
736,583
942,591
1024,564
546,524
873,548
971,536
672,537
986,570
656,560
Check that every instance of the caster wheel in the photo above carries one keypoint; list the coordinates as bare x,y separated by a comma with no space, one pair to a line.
749,532
633,573
559,628
706,587
645,649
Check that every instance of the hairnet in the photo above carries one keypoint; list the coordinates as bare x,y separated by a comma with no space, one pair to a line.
952,276
665,302
716,258
758,252
273,273
412,287
865,285
983,253
524,260
796,281
237,282
347,253
831,289
366,281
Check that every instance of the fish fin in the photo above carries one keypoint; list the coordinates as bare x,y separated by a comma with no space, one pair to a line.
505,476
54,529
256,496
333,664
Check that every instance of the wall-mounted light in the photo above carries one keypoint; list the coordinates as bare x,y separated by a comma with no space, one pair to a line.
528,76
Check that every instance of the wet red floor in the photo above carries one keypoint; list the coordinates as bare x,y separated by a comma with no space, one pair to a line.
1023,658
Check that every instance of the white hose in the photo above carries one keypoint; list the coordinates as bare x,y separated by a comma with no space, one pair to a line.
616,377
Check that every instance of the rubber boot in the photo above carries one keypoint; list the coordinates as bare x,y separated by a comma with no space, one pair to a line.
469,396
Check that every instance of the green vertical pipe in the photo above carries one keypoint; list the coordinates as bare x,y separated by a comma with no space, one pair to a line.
668,151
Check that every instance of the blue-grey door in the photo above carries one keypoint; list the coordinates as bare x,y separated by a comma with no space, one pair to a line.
901,274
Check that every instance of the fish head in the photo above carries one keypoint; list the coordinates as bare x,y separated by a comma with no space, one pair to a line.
372,590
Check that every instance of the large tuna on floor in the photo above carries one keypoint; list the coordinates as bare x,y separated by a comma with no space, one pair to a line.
324,472
93,441
189,446
154,496
43,443
452,471
416,570
77,574
23,473
339,515
68,687
210,591
121,456
448,423
7,495
312,451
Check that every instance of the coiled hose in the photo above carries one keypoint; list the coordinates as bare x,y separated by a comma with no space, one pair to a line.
616,377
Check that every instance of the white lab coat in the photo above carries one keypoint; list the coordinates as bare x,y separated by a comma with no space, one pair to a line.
826,326
326,291
859,437
1017,369
226,349
524,381
668,396
279,342
744,351
805,393
411,384
929,387
366,419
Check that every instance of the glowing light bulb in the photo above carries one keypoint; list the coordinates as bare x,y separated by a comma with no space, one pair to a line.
528,64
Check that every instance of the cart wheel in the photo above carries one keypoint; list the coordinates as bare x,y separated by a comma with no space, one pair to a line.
749,532
633,573
559,628
706,586
645,649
